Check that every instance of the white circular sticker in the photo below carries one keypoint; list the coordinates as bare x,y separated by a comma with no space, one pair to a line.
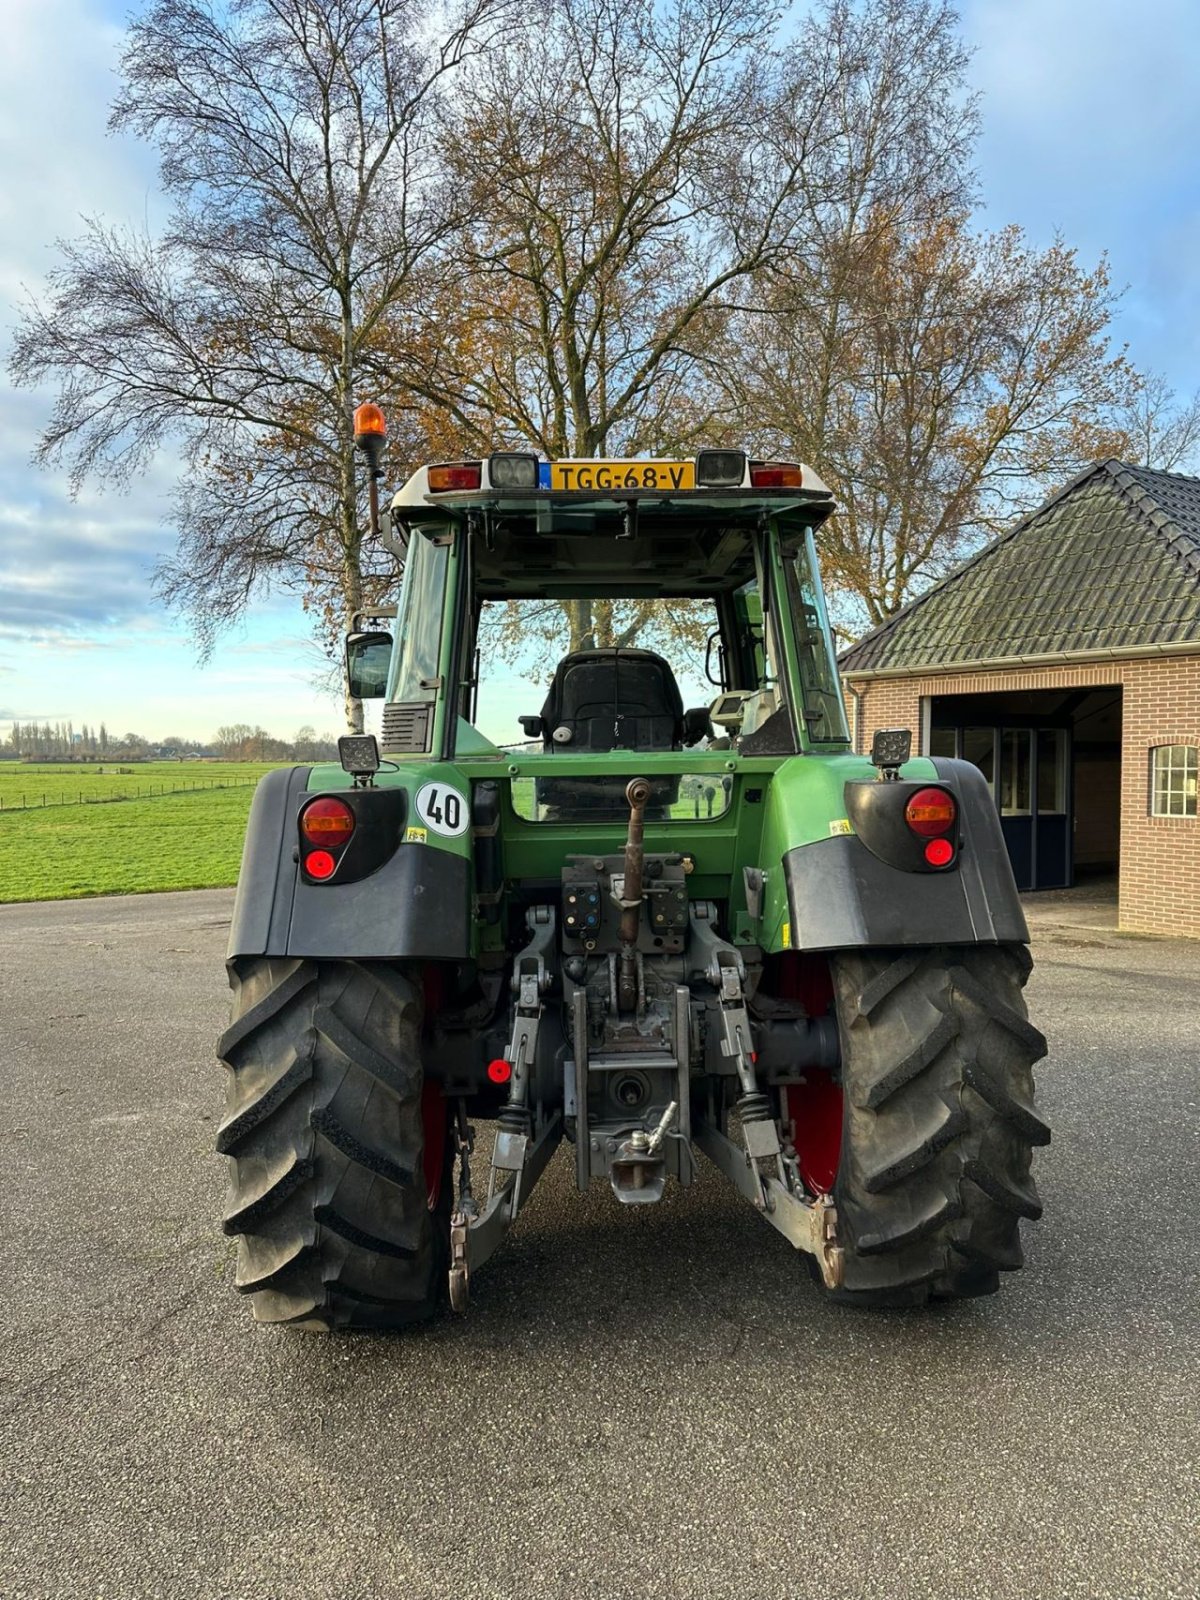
442,809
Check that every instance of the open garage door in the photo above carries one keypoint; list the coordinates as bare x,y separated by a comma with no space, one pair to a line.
1052,760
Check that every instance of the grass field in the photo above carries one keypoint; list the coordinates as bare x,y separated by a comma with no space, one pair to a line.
190,840
54,784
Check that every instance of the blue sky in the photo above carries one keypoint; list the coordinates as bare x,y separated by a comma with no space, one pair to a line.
1091,126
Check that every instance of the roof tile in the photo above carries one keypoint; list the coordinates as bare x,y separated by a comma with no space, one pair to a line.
1110,562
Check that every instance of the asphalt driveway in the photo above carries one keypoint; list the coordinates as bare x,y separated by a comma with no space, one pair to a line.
641,1402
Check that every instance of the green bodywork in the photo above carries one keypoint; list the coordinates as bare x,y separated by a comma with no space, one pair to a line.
799,802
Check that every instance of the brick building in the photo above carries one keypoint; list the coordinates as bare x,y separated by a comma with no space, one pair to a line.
1064,660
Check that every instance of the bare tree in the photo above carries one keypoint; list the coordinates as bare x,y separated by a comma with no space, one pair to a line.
630,165
296,142
967,377
1162,431
624,189
232,739
940,378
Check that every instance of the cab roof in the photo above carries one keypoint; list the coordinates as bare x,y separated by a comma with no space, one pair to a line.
634,542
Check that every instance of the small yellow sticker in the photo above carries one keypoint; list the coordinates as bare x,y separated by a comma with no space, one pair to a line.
416,835
787,936
840,825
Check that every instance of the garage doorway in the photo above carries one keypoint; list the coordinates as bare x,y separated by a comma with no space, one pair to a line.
1052,759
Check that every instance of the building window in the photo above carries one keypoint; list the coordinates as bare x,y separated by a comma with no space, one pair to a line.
1015,791
1173,780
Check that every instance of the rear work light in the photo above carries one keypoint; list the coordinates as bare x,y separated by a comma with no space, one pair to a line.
720,469
930,812
455,475
510,471
775,474
327,822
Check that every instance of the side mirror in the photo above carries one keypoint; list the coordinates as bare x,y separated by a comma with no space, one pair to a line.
713,651
697,725
368,658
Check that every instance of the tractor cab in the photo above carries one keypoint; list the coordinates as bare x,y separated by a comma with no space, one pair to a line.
646,606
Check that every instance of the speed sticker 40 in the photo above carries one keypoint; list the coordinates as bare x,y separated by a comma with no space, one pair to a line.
441,809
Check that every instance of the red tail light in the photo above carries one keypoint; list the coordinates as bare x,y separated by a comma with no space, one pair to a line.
930,812
319,864
939,852
775,474
327,822
455,475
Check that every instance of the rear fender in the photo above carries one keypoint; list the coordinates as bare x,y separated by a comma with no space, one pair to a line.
842,895
414,905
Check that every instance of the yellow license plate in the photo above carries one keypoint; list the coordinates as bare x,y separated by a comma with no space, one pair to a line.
608,476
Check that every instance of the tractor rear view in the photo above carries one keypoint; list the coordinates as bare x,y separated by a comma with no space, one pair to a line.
570,903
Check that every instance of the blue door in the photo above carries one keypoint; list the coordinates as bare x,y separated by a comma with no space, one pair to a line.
1053,863
1028,771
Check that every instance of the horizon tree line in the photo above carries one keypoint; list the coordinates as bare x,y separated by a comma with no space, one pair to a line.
59,741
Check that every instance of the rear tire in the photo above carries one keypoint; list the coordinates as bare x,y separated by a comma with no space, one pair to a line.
324,1135
939,1125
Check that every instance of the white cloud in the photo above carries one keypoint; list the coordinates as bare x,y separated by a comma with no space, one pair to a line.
80,623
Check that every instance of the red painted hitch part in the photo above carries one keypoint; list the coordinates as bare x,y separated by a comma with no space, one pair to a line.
814,1107
433,1118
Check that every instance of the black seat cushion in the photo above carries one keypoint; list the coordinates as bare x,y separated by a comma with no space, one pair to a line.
610,699
614,698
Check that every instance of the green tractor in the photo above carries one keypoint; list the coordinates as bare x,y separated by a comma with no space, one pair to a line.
603,915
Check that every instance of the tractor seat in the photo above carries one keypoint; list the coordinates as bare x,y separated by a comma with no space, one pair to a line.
605,699
608,700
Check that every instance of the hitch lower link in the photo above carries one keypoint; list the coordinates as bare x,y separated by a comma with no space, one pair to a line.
520,1152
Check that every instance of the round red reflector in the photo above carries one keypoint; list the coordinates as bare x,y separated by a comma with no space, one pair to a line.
319,864
930,812
939,852
499,1071
327,821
